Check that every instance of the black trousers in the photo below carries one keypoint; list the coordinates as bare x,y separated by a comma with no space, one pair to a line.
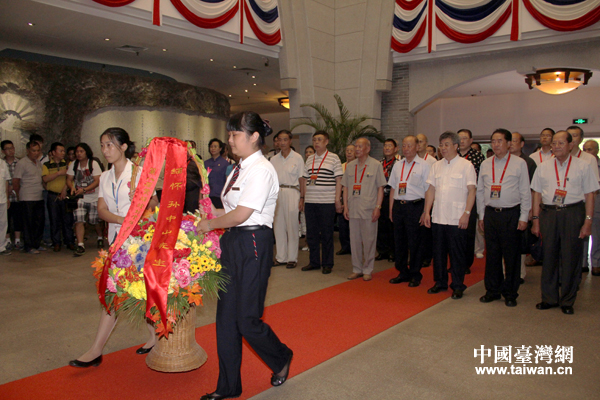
344,231
502,241
61,221
241,305
319,233
562,253
385,230
409,238
471,233
15,217
427,245
33,223
449,240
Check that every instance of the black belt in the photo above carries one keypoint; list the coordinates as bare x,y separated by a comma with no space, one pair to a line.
409,201
54,193
554,207
249,228
289,187
500,209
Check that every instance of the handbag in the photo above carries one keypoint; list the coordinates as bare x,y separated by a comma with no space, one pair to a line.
71,202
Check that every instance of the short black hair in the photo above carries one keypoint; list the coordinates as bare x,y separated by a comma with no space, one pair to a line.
4,143
548,129
466,130
250,122
478,145
580,130
433,147
55,145
70,148
323,133
391,141
221,145
284,131
34,137
32,143
505,132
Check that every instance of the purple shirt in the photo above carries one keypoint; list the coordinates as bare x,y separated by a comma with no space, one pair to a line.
217,176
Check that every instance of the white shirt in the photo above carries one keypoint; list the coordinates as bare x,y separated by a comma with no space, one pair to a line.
590,159
417,181
92,195
514,188
539,156
289,169
4,178
428,158
256,187
451,181
116,194
580,181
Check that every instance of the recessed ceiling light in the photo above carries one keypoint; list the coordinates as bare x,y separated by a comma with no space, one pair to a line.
254,84
164,49
229,95
30,24
107,39
234,67
253,77
212,59
246,90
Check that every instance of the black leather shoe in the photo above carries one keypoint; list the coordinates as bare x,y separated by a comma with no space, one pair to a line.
426,264
215,396
391,258
326,270
309,267
277,380
142,350
278,263
83,364
436,289
381,257
567,310
414,283
488,298
510,303
399,279
291,265
585,269
457,294
342,252
545,306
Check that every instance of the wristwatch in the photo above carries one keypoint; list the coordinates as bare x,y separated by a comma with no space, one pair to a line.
588,217
467,212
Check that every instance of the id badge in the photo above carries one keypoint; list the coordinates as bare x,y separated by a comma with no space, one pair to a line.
402,188
356,190
495,192
313,180
559,197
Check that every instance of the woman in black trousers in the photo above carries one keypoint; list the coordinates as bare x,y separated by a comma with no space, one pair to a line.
249,199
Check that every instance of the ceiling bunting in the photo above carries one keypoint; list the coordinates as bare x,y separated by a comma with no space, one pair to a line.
114,3
471,21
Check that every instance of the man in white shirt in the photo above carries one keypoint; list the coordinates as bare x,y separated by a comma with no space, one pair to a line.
452,188
591,147
422,152
503,204
289,166
545,153
408,183
564,190
320,199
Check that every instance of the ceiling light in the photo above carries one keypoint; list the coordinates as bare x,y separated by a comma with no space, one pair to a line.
30,24
107,39
211,59
229,95
558,80
253,77
164,49
234,67
246,90
284,102
254,84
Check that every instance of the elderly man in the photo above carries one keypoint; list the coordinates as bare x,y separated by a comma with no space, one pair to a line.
545,152
503,204
27,184
560,188
385,229
422,152
320,198
591,147
343,224
289,166
407,200
452,188
363,184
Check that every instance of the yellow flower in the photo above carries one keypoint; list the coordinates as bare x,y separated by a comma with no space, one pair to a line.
180,246
151,229
202,248
208,243
133,248
148,237
137,289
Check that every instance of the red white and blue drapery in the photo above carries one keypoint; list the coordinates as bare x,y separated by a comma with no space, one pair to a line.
262,15
470,21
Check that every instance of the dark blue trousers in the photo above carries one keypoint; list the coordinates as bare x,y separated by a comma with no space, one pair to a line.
319,233
449,240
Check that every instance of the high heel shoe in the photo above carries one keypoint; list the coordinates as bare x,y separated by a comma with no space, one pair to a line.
143,350
85,364
277,380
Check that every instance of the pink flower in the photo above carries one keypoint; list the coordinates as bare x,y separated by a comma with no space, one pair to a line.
208,171
110,285
182,274
184,281
205,189
184,263
142,153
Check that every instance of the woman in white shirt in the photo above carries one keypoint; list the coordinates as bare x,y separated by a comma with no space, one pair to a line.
249,199
114,200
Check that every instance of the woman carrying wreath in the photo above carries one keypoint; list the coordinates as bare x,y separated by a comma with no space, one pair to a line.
249,199
114,200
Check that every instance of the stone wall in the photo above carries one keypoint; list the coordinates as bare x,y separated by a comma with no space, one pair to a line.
396,119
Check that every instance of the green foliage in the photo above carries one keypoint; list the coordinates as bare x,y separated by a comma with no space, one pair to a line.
343,129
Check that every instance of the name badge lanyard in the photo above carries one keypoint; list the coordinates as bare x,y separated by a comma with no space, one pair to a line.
402,185
116,194
551,155
385,167
356,188
314,176
495,192
559,195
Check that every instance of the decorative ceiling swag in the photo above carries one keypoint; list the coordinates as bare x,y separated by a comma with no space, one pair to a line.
262,15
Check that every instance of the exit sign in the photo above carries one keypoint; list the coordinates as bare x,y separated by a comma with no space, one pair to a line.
579,121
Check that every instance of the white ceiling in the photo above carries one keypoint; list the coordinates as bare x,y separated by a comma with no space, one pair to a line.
70,34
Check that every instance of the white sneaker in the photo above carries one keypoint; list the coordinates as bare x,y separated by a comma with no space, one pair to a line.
305,248
479,255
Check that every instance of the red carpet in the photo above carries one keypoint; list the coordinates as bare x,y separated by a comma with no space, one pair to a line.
317,326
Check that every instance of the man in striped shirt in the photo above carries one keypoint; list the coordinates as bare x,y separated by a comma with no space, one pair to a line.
320,192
